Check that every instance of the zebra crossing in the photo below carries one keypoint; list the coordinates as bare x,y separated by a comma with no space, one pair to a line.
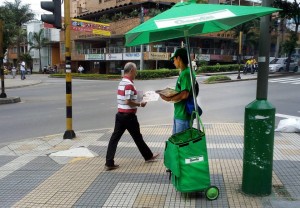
286,80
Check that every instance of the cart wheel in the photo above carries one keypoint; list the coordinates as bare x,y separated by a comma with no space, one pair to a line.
212,193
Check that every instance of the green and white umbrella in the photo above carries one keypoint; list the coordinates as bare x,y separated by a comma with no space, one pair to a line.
187,19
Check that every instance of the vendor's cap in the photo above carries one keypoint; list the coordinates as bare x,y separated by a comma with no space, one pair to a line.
181,52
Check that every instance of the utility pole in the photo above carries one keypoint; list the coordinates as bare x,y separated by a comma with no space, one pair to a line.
259,124
142,46
69,133
279,29
240,54
3,94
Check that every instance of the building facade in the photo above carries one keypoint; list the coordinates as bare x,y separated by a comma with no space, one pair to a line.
107,54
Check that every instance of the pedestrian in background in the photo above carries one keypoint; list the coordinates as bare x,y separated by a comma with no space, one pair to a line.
23,70
183,86
14,72
126,119
80,69
194,65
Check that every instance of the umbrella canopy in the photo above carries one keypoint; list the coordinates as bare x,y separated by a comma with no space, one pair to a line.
189,19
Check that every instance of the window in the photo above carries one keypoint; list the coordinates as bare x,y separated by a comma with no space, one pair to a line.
100,1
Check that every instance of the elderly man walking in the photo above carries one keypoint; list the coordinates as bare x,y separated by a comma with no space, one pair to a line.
126,119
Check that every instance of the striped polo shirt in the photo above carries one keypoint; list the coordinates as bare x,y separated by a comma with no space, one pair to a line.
126,91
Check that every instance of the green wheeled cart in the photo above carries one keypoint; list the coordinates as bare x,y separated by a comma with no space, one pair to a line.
186,158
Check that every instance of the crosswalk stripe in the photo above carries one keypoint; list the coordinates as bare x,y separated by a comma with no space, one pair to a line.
291,82
286,80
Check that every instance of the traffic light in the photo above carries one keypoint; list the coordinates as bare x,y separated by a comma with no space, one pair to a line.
55,8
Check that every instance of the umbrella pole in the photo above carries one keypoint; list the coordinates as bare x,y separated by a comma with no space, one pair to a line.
191,75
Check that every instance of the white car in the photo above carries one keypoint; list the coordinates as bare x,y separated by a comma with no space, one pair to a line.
279,64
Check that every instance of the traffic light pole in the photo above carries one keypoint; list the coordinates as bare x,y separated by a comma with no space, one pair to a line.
259,124
69,133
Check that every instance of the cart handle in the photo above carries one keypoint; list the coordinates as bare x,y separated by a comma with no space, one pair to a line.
200,122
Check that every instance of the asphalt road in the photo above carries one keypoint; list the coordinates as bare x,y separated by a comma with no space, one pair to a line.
42,110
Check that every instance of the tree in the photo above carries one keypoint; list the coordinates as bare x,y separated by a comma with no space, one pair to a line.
38,42
290,10
250,34
14,15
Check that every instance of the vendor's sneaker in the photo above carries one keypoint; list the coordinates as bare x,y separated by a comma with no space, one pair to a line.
153,158
113,167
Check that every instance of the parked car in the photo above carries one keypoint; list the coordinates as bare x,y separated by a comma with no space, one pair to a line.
279,64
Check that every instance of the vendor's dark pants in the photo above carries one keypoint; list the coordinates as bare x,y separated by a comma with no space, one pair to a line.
126,121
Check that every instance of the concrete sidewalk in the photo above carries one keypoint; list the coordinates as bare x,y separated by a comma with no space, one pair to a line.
30,176
17,82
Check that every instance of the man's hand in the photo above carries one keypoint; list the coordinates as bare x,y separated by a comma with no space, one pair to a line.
165,98
143,104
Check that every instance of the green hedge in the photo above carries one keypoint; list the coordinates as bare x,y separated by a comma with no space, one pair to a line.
154,74
218,68
144,74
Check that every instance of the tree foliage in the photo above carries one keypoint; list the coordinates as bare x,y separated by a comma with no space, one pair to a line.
250,33
290,10
14,14
38,42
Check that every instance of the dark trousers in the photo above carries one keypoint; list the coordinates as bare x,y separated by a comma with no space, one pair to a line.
126,121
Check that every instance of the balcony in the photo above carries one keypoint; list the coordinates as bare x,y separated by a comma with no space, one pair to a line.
168,49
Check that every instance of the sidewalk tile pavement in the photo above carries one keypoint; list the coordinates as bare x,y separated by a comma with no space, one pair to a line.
30,177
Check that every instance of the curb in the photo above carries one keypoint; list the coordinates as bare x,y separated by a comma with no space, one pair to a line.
24,85
10,100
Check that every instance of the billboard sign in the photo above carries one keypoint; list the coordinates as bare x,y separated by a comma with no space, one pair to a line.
96,28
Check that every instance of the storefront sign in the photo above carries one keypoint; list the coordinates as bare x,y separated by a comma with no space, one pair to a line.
114,56
94,57
158,56
202,57
131,56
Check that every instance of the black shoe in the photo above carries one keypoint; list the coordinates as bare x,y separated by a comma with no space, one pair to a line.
153,158
113,167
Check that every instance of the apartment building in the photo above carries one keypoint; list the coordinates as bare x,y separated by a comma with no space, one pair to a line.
101,48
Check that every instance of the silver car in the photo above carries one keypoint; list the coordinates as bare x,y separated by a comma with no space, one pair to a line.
279,64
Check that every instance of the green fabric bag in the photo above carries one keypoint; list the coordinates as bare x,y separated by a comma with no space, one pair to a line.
186,156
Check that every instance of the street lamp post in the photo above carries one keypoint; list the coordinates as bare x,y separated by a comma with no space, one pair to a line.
3,94
240,54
